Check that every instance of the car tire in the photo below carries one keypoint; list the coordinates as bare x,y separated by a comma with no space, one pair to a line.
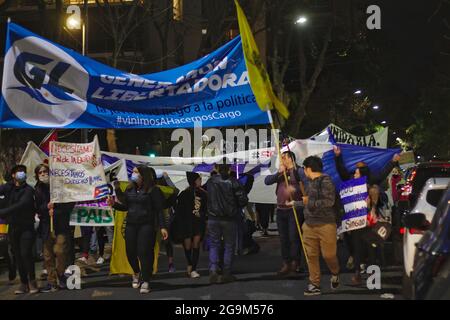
406,286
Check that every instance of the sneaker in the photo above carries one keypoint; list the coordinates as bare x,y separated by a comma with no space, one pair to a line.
32,285
145,288
100,260
213,277
350,263
172,268
23,288
49,288
195,274
334,281
362,267
312,290
136,283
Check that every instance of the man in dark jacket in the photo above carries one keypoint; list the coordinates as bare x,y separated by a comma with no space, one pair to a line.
226,198
319,229
20,217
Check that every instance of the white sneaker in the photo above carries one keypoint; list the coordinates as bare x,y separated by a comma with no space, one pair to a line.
145,288
362,267
44,271
195,274
100,260
135,284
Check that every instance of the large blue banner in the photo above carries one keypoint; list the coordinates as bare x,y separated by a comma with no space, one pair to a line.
48,86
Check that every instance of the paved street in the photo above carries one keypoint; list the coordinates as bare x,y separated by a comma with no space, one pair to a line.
256,275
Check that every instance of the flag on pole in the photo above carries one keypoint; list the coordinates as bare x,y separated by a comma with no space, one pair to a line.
45,143
258,76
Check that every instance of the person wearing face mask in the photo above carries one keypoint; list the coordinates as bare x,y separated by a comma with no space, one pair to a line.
19,214
144,203
54,257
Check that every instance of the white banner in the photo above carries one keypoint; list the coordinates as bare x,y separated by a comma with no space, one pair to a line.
377,139
92,214
31,158
76,172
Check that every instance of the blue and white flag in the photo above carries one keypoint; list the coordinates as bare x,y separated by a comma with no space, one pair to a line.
353,194
48,86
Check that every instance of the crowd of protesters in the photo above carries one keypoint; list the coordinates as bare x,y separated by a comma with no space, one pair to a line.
307,213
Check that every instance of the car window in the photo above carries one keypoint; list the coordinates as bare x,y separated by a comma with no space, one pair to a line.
433,196
423,174
441,214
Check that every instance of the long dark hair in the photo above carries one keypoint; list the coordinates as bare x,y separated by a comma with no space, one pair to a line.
148,178
36,171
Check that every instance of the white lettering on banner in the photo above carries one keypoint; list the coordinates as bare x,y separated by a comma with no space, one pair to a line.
355,223
352,206
214,82
352,191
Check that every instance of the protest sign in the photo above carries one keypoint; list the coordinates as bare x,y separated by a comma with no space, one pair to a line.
353,194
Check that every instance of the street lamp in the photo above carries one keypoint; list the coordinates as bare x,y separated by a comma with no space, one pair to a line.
301,20
383,122
357,92
74,22
375,107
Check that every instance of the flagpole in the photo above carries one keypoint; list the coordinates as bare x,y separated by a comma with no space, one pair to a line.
269,114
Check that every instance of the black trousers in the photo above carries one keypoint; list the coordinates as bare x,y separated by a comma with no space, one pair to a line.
291,247
140,247
264,211
22,243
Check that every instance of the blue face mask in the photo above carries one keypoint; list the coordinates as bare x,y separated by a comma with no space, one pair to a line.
21,176
135,177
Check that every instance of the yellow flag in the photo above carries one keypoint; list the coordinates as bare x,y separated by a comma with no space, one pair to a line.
257,74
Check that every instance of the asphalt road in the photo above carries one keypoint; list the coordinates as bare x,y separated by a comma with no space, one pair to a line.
256,280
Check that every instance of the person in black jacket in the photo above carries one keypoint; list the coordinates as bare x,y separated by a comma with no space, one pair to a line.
190,213
56,244
144,203
20,217
226,198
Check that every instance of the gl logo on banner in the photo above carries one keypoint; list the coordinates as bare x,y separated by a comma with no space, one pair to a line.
43,76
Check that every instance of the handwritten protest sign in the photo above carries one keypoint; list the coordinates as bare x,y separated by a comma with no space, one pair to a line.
353,194
76,172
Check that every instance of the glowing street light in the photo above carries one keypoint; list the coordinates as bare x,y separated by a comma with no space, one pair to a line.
357,92
376,107
73,22
383,122
301,20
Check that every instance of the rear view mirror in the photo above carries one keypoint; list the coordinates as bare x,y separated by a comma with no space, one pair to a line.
416,221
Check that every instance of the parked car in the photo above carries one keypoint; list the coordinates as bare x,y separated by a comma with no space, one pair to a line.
426,204
416,178
430,276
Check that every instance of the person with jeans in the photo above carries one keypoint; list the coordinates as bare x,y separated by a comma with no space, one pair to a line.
287,226
144,202
319,229
226,198
19,214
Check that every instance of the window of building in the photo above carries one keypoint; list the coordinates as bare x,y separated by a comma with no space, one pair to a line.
178,10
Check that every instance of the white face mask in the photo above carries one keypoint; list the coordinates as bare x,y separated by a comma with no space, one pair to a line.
45,179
